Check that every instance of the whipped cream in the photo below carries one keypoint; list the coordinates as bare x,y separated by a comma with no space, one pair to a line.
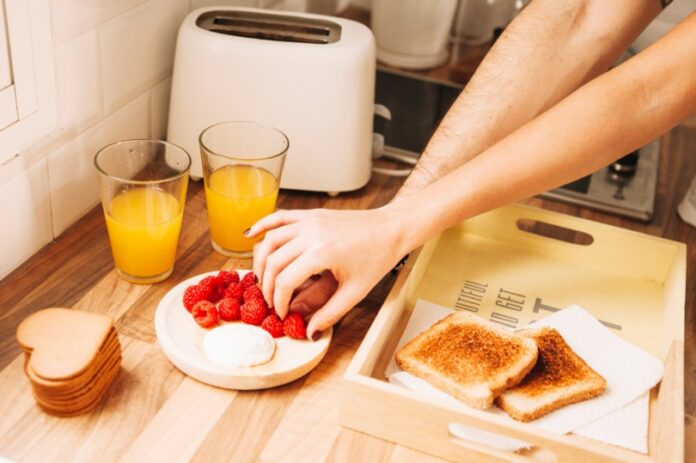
238,345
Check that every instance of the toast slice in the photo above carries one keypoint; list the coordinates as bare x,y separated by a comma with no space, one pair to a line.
469,358
559,378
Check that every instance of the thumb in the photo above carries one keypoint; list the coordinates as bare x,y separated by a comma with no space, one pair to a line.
340,303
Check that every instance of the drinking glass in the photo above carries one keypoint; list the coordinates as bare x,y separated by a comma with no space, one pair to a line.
242,165
143,189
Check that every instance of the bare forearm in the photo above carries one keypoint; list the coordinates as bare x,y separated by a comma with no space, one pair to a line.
603,120
548,51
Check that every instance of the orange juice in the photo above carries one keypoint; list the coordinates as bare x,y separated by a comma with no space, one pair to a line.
237,196
143,225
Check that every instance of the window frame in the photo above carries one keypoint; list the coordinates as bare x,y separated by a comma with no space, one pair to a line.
30,49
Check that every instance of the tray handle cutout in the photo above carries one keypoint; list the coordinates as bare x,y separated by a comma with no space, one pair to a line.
497,445
555,232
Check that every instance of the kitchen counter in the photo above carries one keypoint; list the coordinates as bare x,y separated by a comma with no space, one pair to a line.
153,412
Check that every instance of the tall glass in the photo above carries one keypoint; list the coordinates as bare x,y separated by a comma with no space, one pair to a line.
242,164
143,190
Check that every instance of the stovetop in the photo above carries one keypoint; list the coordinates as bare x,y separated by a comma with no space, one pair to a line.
626,188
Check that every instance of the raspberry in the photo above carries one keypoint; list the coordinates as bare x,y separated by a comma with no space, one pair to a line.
273,325
248,280
254,311
235,291
229,309
205,314
194,294
225,278
214,286
253,292
294,326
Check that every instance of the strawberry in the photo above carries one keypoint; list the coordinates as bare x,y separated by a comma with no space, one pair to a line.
205,314
226,277
253,292
254,311
194,294
248,280
235,291
214,286
273,325
295,326
229,309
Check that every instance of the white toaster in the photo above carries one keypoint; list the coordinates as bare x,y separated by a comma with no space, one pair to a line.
310,76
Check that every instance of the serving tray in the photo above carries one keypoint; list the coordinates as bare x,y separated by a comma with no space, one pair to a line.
512,266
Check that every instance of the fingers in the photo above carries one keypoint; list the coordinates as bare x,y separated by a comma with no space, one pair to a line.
276,263
273,240
291,277
274,220
341,302
315,295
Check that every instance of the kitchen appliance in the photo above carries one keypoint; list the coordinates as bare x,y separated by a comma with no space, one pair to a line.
412,34
626,188
308,75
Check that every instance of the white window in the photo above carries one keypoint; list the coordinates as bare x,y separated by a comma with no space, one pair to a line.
26,75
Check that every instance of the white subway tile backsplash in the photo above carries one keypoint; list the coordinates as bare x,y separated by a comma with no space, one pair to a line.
160,109
72,17
77,74
26,209
73,179
137,49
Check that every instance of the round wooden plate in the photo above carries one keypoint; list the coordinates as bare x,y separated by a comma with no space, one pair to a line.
181,339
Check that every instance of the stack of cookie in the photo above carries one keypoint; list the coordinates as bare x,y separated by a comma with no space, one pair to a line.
71,358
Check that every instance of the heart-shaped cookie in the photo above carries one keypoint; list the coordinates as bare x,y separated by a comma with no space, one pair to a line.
110,350
62,343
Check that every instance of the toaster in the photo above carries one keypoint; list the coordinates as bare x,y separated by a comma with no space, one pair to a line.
310,76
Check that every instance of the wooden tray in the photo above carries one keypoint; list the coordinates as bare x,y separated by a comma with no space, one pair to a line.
504,266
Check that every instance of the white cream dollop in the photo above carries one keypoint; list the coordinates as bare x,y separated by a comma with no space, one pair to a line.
238,345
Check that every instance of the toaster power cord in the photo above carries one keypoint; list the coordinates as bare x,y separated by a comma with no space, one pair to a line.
379,150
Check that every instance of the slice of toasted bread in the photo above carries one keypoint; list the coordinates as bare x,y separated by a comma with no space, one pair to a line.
559,378
469,358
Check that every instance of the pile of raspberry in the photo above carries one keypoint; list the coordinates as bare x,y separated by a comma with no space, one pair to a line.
225,297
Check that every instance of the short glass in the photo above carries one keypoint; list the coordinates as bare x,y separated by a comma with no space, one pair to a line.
242,165
143,190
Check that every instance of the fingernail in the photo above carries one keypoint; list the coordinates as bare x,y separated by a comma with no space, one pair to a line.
246,232
316,335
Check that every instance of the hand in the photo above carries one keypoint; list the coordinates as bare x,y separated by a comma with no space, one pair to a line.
313,293
357,247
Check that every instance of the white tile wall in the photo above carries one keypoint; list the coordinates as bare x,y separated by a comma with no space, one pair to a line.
159,112
27,216
72,17
138,49
72,178
78,85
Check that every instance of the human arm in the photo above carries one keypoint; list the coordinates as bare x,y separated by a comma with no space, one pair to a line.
606,118
559,44
548,51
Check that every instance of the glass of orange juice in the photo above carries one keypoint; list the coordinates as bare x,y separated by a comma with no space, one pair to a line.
143,190
242,164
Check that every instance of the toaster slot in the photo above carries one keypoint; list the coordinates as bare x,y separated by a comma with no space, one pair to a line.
270,26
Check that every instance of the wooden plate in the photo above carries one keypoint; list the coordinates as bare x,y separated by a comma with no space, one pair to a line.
181,339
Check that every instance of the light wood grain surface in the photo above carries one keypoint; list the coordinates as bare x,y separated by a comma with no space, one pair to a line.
155,413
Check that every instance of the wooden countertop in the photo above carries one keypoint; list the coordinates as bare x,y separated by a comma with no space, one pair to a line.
153,412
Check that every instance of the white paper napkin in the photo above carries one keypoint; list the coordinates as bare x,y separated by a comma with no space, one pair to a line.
629,371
